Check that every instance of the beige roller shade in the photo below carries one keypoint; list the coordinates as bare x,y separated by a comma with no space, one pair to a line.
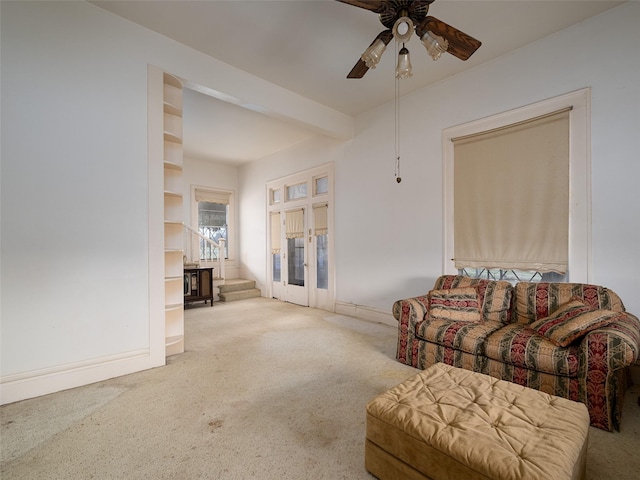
275,232
212,197
511,196
294,223
320,226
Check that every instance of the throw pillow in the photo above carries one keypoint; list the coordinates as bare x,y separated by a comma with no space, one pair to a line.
456,304
571,321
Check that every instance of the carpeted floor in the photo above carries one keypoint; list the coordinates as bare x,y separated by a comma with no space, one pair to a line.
265,390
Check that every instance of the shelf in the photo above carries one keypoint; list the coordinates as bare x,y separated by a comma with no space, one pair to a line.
174,345
171,137
173,238
172,109
174,290
173,151
172,209
173,125
173,340
172,166
173,264
172,80
168,193
172,159
172,180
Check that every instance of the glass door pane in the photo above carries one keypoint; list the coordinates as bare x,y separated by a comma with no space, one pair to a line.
295,250
322,262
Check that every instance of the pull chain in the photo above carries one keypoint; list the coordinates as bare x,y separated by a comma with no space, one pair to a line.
397,126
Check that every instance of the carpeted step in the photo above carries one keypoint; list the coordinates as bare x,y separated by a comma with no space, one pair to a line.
236,284
239,295
238,289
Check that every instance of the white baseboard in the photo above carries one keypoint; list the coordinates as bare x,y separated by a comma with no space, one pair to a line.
21,386
366,313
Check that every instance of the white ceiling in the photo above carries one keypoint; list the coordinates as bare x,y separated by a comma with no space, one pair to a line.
309,46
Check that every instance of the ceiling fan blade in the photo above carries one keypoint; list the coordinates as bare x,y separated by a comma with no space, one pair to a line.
360,68
377,6
461,45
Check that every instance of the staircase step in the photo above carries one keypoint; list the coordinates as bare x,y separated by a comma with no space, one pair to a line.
239,294
236,285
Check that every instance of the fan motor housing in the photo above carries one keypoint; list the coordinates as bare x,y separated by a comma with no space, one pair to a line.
416,10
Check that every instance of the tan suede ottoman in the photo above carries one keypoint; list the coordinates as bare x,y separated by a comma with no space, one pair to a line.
446,423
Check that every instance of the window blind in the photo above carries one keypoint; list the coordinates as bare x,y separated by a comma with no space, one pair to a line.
294,223
511,196
212,196
275,232
320,219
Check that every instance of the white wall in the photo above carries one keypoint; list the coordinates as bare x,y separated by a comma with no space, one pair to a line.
389,236
75,234
74,198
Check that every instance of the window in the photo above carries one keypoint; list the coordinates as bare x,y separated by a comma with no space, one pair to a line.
511,196
275,246
471,222
274,196
294,224
214,219
295,192
321,185
321,230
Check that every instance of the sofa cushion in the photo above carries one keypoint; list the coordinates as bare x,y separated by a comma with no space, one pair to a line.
465,336
521,346
494,296
568,324
458,304
534,301
563,313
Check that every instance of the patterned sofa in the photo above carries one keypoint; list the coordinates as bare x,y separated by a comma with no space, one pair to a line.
568,339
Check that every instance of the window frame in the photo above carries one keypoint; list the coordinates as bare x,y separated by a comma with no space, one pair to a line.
580,256
231,218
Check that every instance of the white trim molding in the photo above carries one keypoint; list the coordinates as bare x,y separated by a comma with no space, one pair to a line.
366,313
25,385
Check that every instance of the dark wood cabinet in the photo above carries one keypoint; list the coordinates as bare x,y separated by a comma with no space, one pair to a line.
198,285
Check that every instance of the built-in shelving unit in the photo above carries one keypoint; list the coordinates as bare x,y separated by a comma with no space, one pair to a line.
173,246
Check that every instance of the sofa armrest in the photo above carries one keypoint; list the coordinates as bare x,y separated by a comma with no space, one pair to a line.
603,355
408,313
615,346
413,307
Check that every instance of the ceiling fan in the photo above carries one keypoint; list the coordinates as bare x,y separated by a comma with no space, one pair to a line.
402,18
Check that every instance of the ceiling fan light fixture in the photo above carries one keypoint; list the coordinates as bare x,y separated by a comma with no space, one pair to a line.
435,44
403,29
371,56
403,69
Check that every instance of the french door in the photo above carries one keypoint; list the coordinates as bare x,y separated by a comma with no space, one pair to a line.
300,220
294,258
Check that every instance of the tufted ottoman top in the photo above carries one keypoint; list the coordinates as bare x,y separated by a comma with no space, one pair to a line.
492,427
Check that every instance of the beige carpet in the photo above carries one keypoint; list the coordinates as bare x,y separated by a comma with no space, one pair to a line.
265,390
